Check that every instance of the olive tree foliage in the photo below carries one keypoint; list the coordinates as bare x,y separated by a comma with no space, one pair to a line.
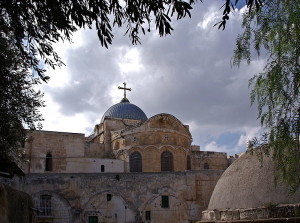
19,102
230,5
275,30
36,25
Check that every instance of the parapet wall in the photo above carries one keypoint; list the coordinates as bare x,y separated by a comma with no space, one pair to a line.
272,213
84,195
209,160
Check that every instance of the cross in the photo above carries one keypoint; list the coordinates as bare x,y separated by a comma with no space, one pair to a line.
125,89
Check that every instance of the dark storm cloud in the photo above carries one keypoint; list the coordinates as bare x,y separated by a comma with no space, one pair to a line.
196,80
92,69
187,74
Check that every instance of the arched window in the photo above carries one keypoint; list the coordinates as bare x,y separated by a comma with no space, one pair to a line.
135,162
48,164
188,163
45,207
166,161
206,166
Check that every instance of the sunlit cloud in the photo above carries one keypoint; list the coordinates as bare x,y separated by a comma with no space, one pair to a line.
187,74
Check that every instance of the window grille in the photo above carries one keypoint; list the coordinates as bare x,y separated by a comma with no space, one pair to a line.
93,219
135,162
45,206
166,161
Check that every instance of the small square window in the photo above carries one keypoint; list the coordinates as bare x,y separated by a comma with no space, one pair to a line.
148,215
165,201
93,219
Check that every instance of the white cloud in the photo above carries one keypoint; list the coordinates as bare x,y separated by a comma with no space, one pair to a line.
187,74
249,134
210,18
213,146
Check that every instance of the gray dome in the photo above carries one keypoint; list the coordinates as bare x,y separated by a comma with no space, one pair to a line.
125,110
248,183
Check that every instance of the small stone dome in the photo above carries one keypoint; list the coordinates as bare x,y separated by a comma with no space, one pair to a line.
125,110
248,183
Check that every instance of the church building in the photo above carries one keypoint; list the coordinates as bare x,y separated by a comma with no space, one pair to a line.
131,169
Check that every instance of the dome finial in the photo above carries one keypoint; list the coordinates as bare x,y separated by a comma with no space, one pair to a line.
125,89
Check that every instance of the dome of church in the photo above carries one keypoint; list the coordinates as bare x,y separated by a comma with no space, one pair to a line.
125,110
248,183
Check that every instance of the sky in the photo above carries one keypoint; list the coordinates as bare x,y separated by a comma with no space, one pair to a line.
187,74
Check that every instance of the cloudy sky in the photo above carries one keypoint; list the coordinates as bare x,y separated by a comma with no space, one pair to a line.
187,74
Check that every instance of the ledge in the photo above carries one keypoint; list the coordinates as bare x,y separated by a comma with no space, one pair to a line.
274,213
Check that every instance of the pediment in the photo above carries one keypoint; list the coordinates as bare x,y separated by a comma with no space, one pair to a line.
165,122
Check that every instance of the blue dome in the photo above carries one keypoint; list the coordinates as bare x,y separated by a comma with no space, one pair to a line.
125,110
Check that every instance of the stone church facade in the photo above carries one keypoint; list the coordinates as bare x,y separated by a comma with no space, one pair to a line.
131,169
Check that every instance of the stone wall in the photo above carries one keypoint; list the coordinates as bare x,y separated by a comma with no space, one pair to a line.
15,206
70,154
162,132
209,160
151,157
271,213
113,197
59,144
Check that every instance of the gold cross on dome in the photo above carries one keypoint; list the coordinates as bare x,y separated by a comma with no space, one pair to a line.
125,89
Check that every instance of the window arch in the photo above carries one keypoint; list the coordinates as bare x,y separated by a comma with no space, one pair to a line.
135,162
48,162
188,163
167,161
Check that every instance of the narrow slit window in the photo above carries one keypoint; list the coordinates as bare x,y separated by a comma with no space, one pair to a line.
148,215
188,163
48,164
206,166
102,168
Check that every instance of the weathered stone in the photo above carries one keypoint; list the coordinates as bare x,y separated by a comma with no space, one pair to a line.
262,213
248,183
170,180
15,206
248,214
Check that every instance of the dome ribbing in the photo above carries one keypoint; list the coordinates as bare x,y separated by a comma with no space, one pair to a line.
125,110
